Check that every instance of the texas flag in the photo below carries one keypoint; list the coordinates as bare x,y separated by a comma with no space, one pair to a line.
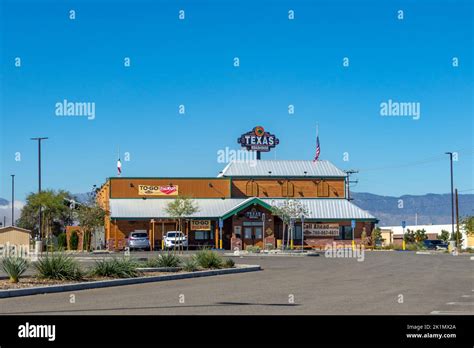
119,167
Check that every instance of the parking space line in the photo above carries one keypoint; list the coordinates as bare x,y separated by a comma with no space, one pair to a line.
461,303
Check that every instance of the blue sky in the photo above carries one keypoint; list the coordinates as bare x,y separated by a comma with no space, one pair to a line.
282,62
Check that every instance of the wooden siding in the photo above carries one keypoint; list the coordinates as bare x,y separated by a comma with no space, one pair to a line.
297,188
196,188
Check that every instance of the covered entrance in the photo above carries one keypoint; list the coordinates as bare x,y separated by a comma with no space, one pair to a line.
251,224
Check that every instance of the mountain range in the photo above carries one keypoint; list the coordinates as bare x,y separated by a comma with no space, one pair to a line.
391,211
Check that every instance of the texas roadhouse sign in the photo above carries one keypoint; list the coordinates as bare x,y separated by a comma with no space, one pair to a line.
258,140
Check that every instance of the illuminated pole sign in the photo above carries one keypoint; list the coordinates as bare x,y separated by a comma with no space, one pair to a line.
258,140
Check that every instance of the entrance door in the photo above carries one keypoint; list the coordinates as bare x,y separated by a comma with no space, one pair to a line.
252,236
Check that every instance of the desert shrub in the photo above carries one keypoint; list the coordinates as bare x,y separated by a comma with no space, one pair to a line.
58,266
229,263
208,259
168,260
14,267
151,262
190,265
116,268
252,248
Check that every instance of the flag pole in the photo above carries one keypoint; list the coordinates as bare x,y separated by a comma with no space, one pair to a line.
118,161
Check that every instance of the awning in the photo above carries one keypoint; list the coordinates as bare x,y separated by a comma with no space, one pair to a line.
321,209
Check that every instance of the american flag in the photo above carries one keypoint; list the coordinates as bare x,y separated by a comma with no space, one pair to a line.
119,167
318,149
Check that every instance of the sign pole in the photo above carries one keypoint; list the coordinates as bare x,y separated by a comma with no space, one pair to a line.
403,236
221,223
263,231
353,225
302,233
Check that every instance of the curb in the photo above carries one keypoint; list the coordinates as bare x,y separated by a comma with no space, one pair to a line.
120,282
272,255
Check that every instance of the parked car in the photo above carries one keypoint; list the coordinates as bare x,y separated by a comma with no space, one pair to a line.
435,244
138,240
175,238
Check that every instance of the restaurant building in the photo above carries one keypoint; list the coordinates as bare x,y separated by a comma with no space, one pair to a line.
235,208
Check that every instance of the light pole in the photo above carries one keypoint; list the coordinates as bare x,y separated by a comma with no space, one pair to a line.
13,199
263,231
39,178
452,193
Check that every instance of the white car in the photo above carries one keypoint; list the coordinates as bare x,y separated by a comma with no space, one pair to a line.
175,238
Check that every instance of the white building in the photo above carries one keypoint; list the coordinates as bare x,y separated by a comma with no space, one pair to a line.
391,233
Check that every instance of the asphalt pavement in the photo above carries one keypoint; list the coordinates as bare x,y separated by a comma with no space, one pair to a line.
383,283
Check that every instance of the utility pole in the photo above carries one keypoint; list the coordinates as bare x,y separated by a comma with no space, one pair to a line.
452,193
13,199
39,180
457,220
349,182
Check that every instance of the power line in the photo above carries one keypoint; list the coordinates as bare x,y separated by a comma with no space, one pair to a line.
437,158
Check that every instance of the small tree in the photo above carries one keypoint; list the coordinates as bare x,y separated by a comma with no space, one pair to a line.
467,223
376,236
409,236
363,236
444,235
90,217
289,210
420,235
180,208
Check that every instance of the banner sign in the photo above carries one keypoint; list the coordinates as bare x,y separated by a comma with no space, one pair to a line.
258,140
200,225
156,190
321,230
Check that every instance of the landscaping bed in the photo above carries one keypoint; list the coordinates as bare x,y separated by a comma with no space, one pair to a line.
32,281
61,272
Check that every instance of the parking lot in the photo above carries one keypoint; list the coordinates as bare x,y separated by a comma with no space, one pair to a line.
384,283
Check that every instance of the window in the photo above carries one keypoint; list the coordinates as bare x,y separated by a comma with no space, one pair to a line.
258,232
248,232
200,235
287,189
323,189
297,232
345,232
139,235
251,189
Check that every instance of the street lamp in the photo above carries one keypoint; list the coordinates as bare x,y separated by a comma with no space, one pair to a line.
452,192
39,178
